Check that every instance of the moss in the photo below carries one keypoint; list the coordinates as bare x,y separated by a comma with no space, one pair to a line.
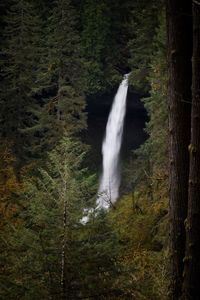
192,148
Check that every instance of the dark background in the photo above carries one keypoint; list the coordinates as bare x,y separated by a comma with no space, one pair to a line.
98,109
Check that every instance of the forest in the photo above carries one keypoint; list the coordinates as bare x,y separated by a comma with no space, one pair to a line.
61,64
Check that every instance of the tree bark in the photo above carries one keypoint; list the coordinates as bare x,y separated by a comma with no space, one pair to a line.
179,48
63,255
191,286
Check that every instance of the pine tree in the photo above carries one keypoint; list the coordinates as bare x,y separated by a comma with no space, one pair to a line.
99,267
65,63
41,251
143,25
104,36
95,43
148,166
21,51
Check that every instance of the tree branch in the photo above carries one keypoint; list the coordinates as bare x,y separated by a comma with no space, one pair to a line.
196,2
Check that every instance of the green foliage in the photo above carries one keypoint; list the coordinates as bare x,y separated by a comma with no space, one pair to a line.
144,223
20,52
136,223
144,22
104,37
96,43
54,53
42,90
50,223
150,160
64,44
33,248
64,111
99,266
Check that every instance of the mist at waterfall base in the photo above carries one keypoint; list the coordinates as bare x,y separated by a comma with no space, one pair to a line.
110,179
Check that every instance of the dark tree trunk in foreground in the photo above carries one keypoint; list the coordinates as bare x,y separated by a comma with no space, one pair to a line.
191,287
179,39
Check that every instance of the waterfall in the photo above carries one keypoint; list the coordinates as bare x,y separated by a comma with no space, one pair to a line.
110,179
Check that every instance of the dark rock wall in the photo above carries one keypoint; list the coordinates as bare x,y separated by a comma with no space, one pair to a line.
98,109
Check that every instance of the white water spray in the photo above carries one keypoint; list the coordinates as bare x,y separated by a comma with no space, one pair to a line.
110,180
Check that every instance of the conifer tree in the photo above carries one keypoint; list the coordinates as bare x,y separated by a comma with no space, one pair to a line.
65,110
143,25
149,164
99,267
94,42
19,73
41,251
99,37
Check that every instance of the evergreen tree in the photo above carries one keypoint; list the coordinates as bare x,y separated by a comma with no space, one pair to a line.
49,253
145,208
141,228
41,250
143,24
20,52
105,33
60,78
95,43
149,163
99,268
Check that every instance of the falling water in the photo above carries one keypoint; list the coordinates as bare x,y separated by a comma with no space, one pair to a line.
110,180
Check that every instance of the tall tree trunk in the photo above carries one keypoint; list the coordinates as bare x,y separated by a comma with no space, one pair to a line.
191,287
63,253
179,46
